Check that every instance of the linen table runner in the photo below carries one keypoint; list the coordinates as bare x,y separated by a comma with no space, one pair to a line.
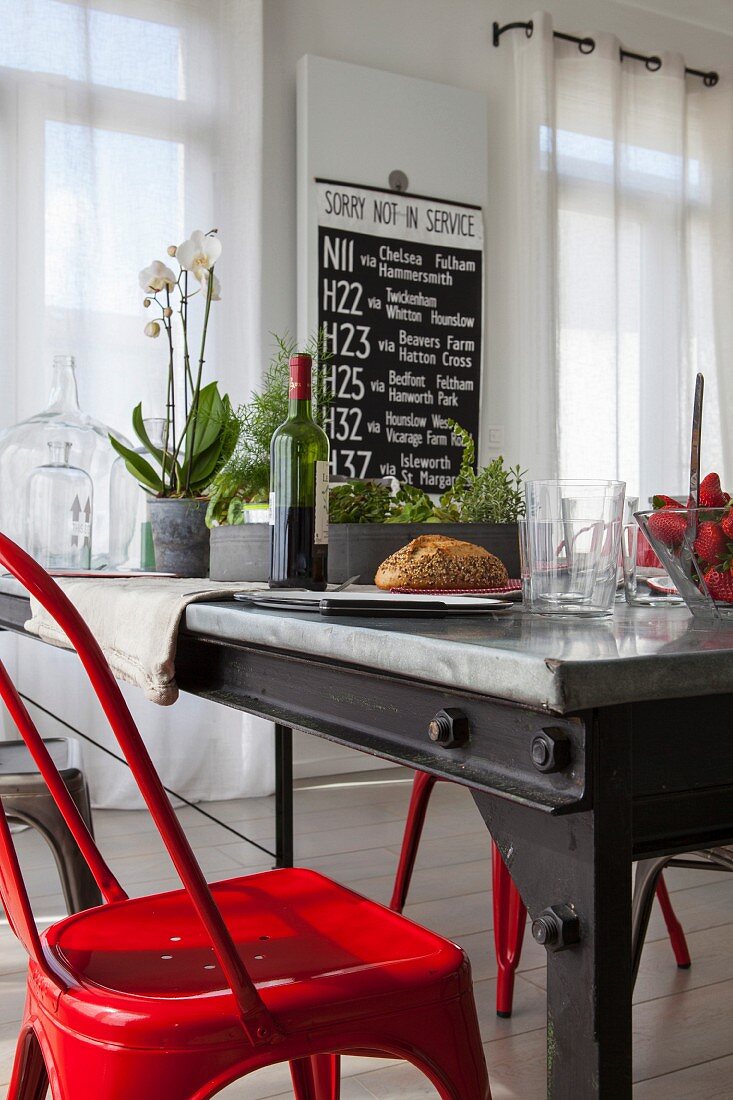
136,622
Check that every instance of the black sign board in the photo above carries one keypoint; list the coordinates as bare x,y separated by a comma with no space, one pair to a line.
400,300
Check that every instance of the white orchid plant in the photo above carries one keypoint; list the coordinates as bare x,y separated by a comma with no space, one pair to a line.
201,429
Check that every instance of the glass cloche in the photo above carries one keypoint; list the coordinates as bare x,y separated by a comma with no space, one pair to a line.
24,447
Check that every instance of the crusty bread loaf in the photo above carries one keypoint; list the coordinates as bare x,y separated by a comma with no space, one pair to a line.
436,561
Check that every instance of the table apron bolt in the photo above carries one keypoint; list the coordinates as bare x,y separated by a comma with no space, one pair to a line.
449,728
550,750
556,928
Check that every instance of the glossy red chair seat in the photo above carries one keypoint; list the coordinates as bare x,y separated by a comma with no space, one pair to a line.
323,959
510,914
173,996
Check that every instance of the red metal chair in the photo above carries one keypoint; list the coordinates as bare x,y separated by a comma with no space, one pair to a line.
178,994
510,914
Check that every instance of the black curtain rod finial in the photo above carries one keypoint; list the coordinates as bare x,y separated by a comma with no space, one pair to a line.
587,45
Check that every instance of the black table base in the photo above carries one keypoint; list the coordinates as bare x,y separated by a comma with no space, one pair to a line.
570,799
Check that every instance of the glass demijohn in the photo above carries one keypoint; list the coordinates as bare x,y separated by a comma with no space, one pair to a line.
59,512
24,447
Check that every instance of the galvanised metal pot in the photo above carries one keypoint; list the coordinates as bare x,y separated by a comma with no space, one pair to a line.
180,535
242,552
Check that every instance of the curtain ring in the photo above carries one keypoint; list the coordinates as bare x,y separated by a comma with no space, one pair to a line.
710,80
529,29
586,45
653,63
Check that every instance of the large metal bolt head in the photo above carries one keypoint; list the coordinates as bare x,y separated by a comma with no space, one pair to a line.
449,727
550,750
544,931
556,928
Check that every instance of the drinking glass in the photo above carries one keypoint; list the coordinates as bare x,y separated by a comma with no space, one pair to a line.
636,554
570,541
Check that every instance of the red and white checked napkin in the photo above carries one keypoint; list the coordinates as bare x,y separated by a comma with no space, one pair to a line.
502,590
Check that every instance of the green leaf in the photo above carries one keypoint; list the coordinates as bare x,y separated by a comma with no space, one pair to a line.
157,452
142,435
235,513
140,469
209,420
206,464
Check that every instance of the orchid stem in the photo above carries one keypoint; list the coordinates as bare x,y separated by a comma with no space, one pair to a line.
171,384
197,388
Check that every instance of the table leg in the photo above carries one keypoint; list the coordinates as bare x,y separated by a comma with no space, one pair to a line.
283,796
580,864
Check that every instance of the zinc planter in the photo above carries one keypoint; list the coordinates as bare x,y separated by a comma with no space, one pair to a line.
242,552
180,536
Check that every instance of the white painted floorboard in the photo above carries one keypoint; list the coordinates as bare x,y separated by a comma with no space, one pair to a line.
350,827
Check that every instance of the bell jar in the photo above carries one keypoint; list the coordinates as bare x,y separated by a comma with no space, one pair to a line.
25,447
59,511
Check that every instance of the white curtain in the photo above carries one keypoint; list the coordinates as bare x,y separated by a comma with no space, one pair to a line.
124,125
625,235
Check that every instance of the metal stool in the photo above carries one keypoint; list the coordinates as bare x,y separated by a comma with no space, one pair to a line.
26,798
648,872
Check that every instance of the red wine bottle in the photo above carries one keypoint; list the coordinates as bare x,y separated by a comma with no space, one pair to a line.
299,490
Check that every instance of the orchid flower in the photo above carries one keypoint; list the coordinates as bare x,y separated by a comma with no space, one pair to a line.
199,254
157,277
216,288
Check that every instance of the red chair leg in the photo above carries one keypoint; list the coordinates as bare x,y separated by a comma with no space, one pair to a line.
327,1076
304,1087
422,788
674,928
29,1079
510,916
444,1042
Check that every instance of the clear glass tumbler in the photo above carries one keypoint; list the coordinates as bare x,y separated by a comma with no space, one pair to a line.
570,540
645,585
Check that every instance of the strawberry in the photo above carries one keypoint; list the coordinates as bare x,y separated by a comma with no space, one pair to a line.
720,585
668,527
662,501
711,544
711,495
727,524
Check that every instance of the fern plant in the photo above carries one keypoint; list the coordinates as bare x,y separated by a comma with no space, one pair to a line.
246,477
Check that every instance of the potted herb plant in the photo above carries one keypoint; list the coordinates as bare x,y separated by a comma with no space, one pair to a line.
480,507
200,429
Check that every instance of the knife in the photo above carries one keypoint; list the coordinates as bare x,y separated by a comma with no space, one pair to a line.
693,500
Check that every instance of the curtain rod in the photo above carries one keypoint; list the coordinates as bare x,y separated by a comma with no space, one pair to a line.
587,45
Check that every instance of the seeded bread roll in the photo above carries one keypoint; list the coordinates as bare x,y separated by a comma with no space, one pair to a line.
436,561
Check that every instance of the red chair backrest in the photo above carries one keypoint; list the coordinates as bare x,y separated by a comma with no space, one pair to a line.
256,1020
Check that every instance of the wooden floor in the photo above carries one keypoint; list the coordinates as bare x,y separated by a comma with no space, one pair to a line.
350,827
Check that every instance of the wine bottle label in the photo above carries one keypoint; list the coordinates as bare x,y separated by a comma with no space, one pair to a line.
321,518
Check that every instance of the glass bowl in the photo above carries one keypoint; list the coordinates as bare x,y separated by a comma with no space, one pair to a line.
694,549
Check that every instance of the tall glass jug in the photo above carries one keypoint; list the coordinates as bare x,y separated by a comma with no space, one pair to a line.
130,537
25,446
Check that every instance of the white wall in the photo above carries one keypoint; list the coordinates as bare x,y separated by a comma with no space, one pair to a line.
448,41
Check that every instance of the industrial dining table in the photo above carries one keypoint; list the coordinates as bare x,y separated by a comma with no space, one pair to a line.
586,744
